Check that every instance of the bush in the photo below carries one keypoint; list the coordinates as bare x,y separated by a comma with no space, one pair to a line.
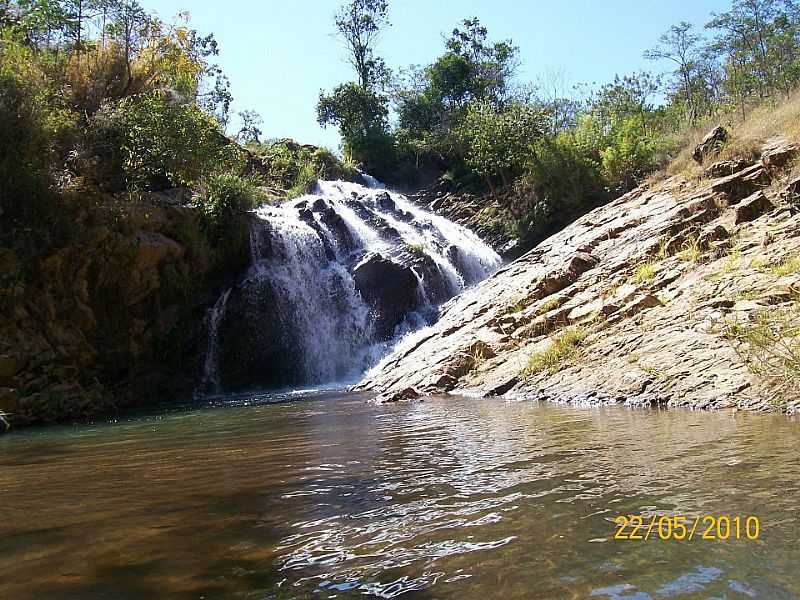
560,185
222,200
36,128
297,168
154,143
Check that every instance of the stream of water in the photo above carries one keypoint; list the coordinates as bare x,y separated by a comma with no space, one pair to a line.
323,495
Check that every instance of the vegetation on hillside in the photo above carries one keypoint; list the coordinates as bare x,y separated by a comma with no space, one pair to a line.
100,100
466,116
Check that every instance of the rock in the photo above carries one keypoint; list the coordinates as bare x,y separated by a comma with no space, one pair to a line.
8,367
403,395
338,227
8,401
741,184
319,205
391,289
264,356
753,207
791,193
384,202
153,247
712,234
711,144
777,157
724,168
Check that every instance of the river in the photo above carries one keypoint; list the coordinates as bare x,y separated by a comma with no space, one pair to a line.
323,495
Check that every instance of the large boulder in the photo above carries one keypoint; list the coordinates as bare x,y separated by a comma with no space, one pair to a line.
389,288
256,347
711,144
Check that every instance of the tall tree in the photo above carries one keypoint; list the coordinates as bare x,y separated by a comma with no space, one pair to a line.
359,23
681,46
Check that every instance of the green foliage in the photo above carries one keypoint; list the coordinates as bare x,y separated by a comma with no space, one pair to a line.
498,142
563,349
157,143
560,184
297,168
36,131
223,198
361,116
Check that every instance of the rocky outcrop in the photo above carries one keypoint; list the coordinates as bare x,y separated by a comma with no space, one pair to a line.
629,304
712,143
486,215
109,320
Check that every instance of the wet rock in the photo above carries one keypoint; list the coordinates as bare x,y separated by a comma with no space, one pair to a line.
403,395
8,368
256,345
434,282
753,207
8,401
338,227
319,205
384,201
389,288
711,144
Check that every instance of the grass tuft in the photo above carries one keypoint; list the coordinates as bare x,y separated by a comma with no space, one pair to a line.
788,266
644,272
564,348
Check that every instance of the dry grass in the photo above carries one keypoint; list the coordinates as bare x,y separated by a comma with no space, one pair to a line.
691,250
644,272
788,266
769,344
770,119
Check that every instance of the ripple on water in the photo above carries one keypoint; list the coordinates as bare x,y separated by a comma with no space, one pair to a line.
451,498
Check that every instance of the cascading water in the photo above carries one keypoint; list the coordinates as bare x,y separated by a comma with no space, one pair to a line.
210,381
337,277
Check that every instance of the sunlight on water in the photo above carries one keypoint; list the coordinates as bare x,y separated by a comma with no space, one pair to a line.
449,498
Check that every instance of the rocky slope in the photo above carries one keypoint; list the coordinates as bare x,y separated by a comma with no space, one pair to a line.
109,320
635,302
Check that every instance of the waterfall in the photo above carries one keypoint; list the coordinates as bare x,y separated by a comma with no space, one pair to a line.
210,380
337,277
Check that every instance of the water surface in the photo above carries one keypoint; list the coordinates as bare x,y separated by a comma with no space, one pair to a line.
328,496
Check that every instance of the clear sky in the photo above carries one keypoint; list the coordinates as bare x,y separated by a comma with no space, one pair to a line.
278,54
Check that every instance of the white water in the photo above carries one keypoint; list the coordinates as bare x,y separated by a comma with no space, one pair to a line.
210,381
308,265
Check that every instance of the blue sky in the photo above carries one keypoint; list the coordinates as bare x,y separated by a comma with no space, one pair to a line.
279,53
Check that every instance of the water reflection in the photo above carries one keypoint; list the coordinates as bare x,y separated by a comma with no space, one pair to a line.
446,498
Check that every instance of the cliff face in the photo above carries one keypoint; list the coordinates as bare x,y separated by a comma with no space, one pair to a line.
646,300
104,322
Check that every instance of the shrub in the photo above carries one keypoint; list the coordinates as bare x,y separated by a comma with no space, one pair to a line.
223,198
36,128
155,143
770,346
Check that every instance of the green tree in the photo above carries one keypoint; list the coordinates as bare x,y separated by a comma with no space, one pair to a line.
681,46
359,23
499,142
